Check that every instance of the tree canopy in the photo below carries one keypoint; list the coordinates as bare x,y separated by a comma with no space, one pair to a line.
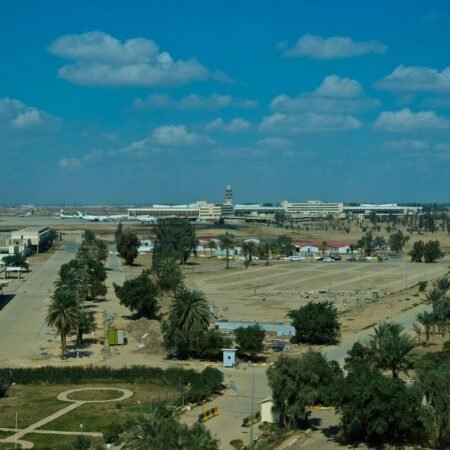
174,238
128,246
315,323
139,295
250,340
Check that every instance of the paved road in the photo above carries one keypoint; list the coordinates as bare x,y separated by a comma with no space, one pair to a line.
22,321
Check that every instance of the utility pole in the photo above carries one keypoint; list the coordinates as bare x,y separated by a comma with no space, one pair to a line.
251,408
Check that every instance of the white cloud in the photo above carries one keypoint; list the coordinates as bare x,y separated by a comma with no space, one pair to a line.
235,125
194,101
169,137
336,47
15,115
77,163
407,144
416,79
406,121
275,143
335,94
310,122
102,60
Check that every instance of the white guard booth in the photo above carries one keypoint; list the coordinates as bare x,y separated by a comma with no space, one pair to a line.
229,357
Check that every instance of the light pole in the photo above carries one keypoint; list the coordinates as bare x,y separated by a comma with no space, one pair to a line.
81,429
151,403
251,408
140,406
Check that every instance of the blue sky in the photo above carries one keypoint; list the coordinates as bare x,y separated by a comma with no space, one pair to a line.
142,102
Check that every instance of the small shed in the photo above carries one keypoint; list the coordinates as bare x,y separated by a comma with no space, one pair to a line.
229,357
266,410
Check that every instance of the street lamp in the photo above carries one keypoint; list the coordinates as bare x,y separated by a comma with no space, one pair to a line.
140,406
151,403
81,429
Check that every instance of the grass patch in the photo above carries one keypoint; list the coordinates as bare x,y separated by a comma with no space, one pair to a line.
55,442
35,402
94,395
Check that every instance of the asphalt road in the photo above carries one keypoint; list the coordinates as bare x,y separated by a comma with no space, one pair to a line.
22,320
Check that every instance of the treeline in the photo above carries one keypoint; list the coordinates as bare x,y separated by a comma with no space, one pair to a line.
81,279
201,385
374,404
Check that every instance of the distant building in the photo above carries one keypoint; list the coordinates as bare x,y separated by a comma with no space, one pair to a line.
200,210
312,208
36,238
386,208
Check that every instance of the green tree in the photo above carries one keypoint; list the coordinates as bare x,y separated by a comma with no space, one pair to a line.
163,431
366,243
249,250
250,340
298,383
118,235
139,295
169,276
315,323
433,374
212,246
280,218
443,284
392,348
427,320
86,325
417,251
432,251
227,243
63,314
79,443
284,244
174,238
377,409
189,319
397,241
16,260
128,247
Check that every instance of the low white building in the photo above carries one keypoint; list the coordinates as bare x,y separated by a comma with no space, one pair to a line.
266,406
145,246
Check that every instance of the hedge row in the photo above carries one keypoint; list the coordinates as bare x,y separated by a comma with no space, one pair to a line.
201,385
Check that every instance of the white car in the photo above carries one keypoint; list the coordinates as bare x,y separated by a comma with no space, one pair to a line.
296,258
327,259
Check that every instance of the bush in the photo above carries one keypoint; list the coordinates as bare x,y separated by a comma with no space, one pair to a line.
315,323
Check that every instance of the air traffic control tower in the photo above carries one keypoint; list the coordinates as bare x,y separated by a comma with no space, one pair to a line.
227,207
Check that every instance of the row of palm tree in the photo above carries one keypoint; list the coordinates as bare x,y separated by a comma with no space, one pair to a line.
77,279
438,319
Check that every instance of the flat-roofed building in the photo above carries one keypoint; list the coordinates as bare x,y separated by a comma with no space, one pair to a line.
383,208
36,238
312,208
193,211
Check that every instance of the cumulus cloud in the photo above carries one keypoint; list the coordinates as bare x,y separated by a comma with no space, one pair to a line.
169,136
416,79
77,163
15,115
194,101
101,59
310,122
406,120
335,94
235,125
336,47
275,143
407,145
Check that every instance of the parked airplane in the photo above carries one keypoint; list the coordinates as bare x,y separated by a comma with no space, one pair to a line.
25,214
143,219
92,218
66,216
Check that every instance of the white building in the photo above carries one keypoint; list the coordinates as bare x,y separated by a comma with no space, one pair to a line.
266,406
200,210
312,208
386,208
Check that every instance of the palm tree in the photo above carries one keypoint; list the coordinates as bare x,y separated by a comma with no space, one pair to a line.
211,245
86,325
63,314
434,296
249,250
189,311
227,243
427,320
443,284
392,349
